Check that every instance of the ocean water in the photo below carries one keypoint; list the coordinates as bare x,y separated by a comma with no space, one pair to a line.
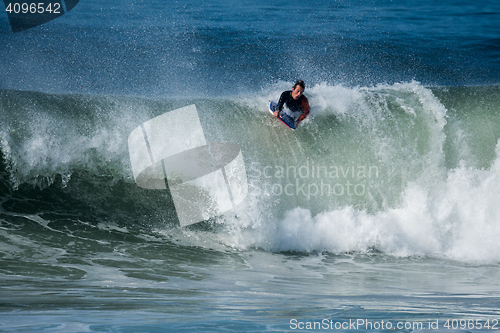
378,214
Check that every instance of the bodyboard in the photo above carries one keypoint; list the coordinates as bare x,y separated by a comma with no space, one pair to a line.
285,119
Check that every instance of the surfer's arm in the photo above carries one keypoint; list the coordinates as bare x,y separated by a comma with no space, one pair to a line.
282,101
305,109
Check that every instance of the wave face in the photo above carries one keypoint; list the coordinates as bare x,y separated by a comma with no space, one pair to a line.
398,169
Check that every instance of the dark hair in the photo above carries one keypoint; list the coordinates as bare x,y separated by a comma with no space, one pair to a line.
299,83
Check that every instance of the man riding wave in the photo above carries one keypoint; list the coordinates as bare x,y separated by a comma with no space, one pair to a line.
297,105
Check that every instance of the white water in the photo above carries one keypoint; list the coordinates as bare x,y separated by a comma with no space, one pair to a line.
367,171
430,211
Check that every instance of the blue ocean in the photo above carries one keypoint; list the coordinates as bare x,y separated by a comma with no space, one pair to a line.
379,213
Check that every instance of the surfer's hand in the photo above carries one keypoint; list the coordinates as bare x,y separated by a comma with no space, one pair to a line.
276,113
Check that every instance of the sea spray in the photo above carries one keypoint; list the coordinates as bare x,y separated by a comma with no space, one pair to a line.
436,211
369,170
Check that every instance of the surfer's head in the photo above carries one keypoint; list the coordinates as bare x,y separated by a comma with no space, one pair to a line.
298,89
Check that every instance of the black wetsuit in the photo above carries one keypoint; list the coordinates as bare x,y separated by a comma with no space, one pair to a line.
299,105
294,105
